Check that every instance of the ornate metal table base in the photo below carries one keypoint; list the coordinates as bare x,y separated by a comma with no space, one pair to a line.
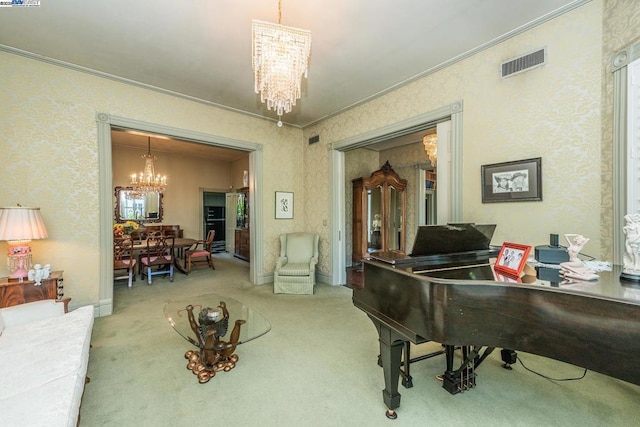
206,372
214,355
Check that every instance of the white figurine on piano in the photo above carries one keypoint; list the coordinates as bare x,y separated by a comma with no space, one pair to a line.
574,268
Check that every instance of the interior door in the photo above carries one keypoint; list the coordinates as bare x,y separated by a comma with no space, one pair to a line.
231,200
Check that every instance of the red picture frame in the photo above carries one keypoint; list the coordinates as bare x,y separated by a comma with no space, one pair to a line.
512,259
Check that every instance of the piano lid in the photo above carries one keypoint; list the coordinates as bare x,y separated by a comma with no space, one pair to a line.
452,238
445,244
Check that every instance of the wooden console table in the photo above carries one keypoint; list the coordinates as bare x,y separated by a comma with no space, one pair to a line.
14,292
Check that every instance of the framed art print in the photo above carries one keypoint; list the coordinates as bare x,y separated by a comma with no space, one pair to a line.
284,205
517,181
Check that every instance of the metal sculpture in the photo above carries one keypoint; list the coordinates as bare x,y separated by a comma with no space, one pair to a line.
214,354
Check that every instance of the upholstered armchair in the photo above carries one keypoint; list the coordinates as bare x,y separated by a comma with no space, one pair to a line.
295,271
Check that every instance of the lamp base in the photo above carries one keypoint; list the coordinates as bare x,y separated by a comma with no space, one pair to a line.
19,254
19,274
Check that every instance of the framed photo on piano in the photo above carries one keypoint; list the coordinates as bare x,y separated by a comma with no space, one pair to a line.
511,259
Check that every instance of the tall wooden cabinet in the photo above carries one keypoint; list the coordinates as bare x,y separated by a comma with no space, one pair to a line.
242,239
379,213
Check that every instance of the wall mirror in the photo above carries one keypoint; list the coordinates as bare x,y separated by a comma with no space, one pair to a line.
140,208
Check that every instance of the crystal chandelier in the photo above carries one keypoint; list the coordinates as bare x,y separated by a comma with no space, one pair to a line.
431,147
147,181
280,59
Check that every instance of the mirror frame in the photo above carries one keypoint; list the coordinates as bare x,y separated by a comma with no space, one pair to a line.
116,211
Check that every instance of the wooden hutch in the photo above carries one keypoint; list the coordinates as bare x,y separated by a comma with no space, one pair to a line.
379,213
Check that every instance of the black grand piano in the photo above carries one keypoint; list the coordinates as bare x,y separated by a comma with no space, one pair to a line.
447,292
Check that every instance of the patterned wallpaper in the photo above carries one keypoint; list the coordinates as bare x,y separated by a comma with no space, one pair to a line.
551,112
50,136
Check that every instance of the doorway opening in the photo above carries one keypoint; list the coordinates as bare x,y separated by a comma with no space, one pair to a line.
105,124
449,166
214,218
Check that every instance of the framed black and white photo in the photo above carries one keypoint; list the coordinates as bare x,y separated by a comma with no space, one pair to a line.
512,259
284,205
517,181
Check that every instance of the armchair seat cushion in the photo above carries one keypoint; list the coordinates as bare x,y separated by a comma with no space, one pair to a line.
295,269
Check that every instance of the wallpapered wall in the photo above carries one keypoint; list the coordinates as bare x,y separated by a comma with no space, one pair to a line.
551,112
50,136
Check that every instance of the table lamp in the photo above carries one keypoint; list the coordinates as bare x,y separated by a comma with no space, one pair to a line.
18,226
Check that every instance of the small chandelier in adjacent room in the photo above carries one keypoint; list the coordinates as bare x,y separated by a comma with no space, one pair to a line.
147,181
431,147
280,59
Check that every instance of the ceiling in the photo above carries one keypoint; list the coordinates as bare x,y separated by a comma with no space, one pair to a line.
164,144
201,49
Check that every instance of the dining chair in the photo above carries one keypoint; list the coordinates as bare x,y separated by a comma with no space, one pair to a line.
157,253
200,252
123,259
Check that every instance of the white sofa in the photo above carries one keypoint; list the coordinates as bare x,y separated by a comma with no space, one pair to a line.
43,363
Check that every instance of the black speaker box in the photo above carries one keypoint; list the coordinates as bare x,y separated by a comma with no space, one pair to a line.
551,254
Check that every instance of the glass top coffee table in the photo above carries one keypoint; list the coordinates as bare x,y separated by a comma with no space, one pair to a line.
205,322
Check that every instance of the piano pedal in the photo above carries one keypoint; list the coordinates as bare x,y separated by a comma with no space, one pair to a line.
457,382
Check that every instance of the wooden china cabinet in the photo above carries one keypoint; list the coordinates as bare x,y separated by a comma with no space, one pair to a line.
379,213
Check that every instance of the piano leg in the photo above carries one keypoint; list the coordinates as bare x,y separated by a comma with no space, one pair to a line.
391,346
407,381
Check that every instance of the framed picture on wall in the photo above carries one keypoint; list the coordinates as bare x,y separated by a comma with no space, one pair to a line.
284,205
517,181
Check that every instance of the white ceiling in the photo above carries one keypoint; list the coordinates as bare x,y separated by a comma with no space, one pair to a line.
202,48
163,144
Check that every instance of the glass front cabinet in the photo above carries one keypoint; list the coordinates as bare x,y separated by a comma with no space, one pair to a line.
379,213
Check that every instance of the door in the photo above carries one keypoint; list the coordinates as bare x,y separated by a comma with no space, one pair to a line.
230,223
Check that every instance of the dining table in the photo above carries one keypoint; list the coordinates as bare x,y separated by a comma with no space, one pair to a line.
177,250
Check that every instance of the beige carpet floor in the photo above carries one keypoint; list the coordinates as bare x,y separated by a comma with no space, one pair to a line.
316,367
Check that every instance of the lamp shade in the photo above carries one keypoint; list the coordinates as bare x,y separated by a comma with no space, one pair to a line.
20,223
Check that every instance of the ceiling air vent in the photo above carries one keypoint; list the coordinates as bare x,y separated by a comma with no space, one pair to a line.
523,63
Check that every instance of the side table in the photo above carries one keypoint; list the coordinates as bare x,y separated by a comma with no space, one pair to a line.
14,292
